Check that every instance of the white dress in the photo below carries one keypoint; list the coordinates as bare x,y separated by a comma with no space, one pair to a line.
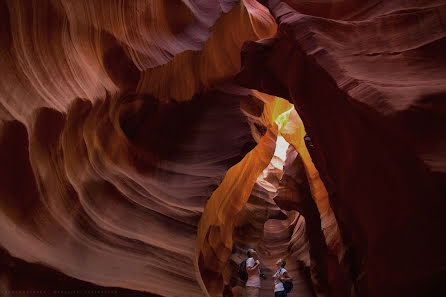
253,279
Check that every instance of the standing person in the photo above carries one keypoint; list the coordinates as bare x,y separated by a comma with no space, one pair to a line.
279,277
253,269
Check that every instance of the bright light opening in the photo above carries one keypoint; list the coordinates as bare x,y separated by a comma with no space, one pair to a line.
280,152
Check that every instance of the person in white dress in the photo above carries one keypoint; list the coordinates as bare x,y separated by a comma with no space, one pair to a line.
253,269
279,277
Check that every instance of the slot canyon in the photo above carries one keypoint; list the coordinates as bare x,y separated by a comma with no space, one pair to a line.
146,145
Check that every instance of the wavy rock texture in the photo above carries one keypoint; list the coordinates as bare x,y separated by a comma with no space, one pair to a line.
56,51
302,189
369,84
99,202
133,161
293,185
37,280
218,221
104,173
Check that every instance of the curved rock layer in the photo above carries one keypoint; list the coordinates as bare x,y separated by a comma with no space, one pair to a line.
56,50
104,172
95,200
219,217
132,159
291,182
37,280
370,88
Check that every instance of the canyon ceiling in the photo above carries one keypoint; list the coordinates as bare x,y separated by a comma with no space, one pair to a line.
145,145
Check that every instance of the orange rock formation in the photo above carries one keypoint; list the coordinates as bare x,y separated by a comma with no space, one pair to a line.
143,148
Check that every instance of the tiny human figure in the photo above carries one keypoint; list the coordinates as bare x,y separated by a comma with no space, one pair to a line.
279,277
253,269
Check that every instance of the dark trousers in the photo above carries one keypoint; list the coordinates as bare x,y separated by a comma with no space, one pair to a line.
280,294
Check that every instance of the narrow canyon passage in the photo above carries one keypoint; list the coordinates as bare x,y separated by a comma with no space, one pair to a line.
145,145
273,217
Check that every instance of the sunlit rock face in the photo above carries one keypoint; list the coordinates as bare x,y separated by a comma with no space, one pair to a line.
118,123
368,79
96,200
285,215
143,150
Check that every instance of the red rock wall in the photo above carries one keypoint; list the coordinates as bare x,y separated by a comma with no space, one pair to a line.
119,120
370,89
105,173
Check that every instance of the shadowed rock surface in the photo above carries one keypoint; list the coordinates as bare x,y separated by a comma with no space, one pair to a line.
143,150
373,105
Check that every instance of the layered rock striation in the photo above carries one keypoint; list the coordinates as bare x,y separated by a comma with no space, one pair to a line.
369,84
139,145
